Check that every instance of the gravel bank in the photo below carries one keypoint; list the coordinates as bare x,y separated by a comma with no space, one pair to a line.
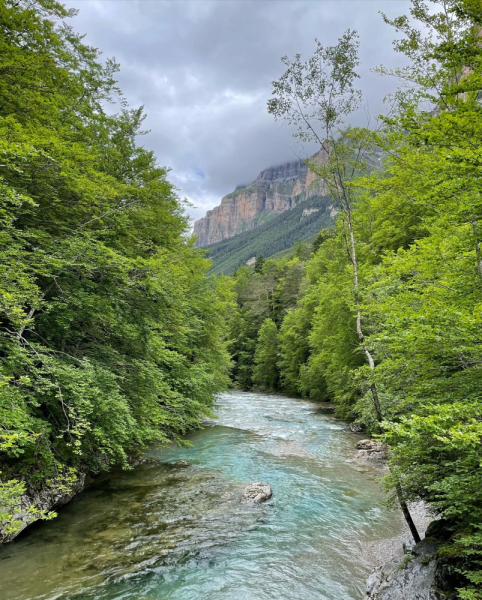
382,551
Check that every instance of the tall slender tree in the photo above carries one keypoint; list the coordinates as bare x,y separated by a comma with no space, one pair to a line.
316,96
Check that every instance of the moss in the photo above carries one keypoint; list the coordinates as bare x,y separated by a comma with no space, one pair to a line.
405,561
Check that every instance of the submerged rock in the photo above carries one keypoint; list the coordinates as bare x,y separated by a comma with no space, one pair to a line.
255,493
290,448
326,408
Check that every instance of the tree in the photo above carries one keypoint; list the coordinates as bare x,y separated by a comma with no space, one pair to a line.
315,97
258,265
266,356
321,237
294,348
111,335
426,296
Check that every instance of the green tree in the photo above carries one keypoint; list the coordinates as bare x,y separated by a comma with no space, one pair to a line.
111,335
316,96
426,297
259,263
266,356
294,349
320,238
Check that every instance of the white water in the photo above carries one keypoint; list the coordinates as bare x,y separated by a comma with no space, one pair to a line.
163,532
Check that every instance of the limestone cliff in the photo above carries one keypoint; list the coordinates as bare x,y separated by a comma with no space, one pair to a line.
274,191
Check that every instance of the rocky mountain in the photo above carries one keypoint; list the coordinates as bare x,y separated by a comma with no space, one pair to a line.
276,235
274,191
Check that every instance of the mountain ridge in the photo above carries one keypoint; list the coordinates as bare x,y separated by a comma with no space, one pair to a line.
274,191
277,234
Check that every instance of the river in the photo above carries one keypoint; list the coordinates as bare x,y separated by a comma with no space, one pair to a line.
167,531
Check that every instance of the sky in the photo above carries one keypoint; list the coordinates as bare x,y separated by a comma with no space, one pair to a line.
203,71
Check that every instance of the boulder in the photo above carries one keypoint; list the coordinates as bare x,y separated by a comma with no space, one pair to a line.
47,498
255,493
356,427
411,577
371,450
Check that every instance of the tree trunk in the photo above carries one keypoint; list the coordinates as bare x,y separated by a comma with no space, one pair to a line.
373,389
407,515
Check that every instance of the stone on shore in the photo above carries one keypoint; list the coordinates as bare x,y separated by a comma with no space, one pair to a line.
371,450
413,577
256,493
356,427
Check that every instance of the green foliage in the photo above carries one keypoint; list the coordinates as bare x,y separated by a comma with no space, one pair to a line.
259,264
242,333
265,372
413,228
111,335
320,238
294,351
264,299
12,515
319,90
436,453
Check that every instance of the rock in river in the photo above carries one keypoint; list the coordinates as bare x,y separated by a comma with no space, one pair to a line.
255,493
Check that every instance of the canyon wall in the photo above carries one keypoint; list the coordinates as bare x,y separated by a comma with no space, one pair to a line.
274,191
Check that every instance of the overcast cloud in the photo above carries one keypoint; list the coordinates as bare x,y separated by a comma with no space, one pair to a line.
203,69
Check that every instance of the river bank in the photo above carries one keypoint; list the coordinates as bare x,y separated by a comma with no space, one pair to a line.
382,551
177,530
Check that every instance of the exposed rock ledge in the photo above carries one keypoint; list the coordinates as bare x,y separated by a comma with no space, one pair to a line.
411,577
416,574
45,499
370,450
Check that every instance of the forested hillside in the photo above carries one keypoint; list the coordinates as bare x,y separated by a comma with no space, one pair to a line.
384,317
111,335
277,234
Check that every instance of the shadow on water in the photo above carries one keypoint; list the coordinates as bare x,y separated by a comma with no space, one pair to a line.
174,532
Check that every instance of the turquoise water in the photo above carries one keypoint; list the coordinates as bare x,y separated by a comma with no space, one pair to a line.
167,531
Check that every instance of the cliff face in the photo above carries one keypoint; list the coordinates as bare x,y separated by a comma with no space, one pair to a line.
275,190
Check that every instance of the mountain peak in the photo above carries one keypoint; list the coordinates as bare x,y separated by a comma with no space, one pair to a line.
274,191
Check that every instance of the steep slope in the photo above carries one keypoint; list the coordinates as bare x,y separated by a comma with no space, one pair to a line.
279,233
274,191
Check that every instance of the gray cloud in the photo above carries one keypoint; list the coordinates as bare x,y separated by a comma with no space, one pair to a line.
203,69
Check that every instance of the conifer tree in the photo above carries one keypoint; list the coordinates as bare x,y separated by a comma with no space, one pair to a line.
259,263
